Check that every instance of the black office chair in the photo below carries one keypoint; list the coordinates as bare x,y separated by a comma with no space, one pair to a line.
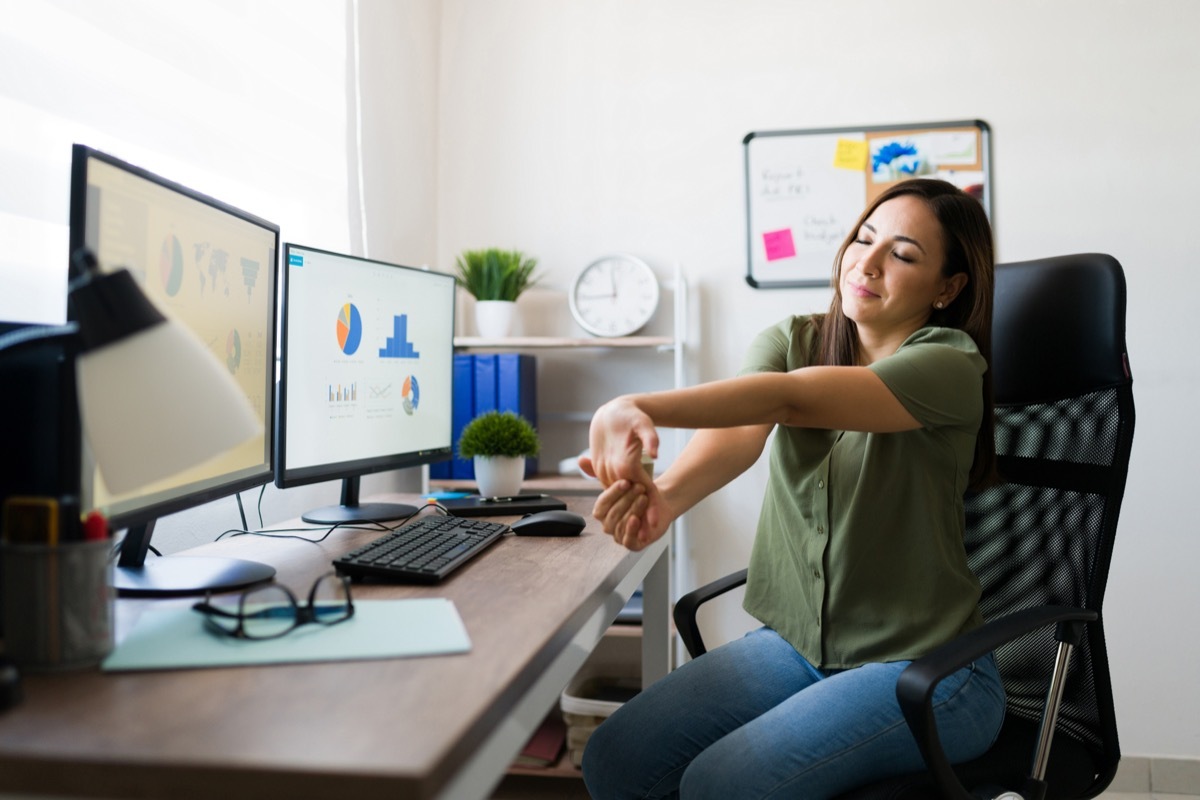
1040,543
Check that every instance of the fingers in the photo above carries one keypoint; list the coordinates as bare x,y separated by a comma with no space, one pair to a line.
632,537
617,502
649,438
587,467
620,510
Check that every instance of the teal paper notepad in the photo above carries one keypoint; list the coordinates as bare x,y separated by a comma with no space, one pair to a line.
177,638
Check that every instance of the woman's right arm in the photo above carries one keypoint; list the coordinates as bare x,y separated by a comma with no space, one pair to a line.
636,514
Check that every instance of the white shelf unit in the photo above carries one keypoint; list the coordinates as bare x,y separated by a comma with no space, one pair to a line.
675,345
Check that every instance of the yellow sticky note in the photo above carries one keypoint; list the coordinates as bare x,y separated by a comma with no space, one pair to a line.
851,154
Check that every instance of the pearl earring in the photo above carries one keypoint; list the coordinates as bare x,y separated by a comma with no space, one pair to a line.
939,305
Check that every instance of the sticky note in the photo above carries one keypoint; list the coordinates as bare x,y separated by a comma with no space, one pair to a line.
851,154
779,244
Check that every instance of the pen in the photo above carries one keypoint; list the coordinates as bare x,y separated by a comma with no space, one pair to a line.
512,499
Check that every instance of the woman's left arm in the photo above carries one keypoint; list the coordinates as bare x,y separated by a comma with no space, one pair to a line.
833,398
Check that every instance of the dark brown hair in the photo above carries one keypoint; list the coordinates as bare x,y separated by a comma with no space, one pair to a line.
967,242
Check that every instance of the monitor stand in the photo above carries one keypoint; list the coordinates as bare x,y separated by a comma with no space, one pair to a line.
179,576
350,510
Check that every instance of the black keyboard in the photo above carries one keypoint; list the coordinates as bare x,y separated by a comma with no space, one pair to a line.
425,551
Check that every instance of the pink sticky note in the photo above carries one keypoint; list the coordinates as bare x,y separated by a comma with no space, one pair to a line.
779,244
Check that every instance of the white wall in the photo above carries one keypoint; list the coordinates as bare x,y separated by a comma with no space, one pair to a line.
570,129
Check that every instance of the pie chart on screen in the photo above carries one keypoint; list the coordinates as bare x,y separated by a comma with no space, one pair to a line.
411,394
349,328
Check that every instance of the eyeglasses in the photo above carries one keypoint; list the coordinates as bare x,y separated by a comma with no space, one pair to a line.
268,612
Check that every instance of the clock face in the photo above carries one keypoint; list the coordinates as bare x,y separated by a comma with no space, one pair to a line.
614,296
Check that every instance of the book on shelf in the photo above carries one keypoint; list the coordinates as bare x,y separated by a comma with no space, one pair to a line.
546,745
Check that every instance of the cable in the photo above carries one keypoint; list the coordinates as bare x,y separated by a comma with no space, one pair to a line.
289,533
261,493
241,509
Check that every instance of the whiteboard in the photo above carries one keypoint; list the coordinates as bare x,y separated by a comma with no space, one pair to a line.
805,189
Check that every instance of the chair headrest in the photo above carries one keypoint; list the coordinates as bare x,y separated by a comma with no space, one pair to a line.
1058,328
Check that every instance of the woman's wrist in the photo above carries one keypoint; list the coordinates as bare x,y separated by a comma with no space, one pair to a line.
671,500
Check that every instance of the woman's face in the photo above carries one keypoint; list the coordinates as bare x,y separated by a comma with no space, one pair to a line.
891,274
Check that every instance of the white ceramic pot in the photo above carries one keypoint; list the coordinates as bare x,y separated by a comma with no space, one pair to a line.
494,318
499,476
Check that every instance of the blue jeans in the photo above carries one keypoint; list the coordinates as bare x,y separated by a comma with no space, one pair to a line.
754,719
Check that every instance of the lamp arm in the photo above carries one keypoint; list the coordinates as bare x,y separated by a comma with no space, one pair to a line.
37,334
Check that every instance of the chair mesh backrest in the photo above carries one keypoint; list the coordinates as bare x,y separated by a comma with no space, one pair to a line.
1045,534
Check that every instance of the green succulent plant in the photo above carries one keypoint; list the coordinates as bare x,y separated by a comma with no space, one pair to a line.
495,274
498,433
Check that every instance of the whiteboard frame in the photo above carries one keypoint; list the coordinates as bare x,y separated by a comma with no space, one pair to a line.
807,276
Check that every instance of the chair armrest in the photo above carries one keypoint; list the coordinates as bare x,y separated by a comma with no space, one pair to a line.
915,687
686,607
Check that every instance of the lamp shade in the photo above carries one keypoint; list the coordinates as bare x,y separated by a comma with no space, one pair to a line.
157,402
152,398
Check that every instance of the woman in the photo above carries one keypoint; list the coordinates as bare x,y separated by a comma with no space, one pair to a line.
884,415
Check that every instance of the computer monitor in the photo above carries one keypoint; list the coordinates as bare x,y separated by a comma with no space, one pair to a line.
366,371
211,267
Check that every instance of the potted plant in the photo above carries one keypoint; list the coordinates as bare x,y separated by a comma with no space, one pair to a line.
498,442
495,278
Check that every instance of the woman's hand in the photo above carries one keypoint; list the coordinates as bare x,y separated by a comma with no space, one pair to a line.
635,514
631,508
620,433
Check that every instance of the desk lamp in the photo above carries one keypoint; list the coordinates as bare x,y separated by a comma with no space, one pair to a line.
140,427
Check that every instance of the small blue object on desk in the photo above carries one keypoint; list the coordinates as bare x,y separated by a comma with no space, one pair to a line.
445,495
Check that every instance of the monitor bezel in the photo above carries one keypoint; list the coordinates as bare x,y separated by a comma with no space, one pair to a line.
185,497
286,478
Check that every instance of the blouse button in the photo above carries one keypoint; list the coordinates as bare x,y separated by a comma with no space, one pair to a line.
820,484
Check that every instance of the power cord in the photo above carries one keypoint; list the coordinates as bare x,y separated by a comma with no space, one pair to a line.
242,509
290,533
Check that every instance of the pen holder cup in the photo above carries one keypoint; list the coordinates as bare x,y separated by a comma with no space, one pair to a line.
58,604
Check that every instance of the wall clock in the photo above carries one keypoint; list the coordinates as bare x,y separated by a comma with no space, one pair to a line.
614,296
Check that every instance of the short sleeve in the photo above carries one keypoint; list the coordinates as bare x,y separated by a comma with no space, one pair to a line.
937,375
782,347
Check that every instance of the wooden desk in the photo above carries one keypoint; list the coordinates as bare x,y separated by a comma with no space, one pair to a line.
443,727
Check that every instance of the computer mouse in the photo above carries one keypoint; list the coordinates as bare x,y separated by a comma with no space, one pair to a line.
549,523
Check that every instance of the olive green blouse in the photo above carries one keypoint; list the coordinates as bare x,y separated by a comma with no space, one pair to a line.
859,553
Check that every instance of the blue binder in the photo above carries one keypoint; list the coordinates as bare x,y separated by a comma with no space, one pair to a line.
486,370
462,412
516,391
